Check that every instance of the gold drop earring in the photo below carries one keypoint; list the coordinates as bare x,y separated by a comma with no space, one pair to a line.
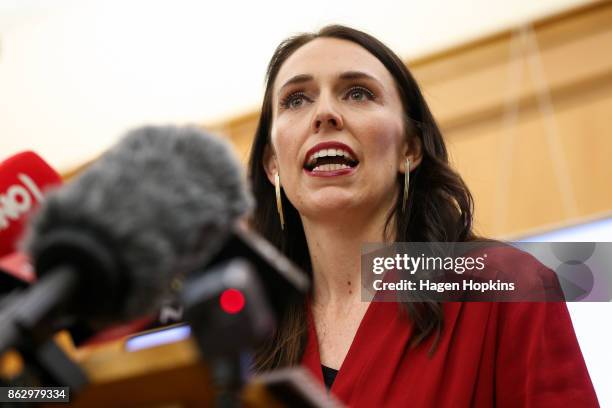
279,203
406,185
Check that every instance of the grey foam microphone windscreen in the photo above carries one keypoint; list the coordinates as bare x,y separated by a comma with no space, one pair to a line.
161,201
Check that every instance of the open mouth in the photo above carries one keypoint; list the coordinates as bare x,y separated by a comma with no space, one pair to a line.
325,160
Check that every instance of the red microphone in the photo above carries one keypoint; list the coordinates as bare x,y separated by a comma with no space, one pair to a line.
24,178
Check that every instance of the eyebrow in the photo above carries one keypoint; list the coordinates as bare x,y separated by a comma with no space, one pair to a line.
298,79
348,75
357,75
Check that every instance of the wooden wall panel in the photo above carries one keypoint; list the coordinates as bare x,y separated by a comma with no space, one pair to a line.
529,193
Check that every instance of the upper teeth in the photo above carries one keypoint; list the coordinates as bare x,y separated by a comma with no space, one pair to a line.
329,152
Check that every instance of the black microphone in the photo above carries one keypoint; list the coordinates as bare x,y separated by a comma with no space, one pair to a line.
107,245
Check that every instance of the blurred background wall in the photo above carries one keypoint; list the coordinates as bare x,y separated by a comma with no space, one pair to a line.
521,89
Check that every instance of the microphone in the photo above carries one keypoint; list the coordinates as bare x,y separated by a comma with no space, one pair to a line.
107,245
24,179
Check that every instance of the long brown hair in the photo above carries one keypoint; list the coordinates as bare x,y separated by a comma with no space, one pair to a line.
439,209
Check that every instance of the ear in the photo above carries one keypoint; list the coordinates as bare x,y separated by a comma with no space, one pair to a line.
270,164
413,151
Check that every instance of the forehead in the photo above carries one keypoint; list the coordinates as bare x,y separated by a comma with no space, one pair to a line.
328,57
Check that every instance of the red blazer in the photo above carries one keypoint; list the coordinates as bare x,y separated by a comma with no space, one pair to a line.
489,355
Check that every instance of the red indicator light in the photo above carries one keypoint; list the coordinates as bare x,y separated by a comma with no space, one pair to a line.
232,301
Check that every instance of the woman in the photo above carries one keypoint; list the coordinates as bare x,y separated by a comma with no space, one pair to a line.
347,152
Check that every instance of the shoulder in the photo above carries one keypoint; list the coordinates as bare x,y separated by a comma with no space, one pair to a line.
533,281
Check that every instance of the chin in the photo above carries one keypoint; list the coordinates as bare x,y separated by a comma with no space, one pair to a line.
329,205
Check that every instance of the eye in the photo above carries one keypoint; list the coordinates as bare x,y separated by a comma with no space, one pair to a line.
294,100
359,94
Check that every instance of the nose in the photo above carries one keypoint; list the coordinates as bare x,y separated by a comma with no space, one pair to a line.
326,117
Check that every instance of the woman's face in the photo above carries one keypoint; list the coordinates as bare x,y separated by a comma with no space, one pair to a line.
338,139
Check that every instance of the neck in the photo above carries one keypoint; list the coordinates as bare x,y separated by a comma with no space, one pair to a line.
335,253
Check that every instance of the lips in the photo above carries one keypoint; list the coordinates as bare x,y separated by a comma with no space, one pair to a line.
330,158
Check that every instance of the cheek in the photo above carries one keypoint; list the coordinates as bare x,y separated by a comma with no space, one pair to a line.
286,136
382,137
